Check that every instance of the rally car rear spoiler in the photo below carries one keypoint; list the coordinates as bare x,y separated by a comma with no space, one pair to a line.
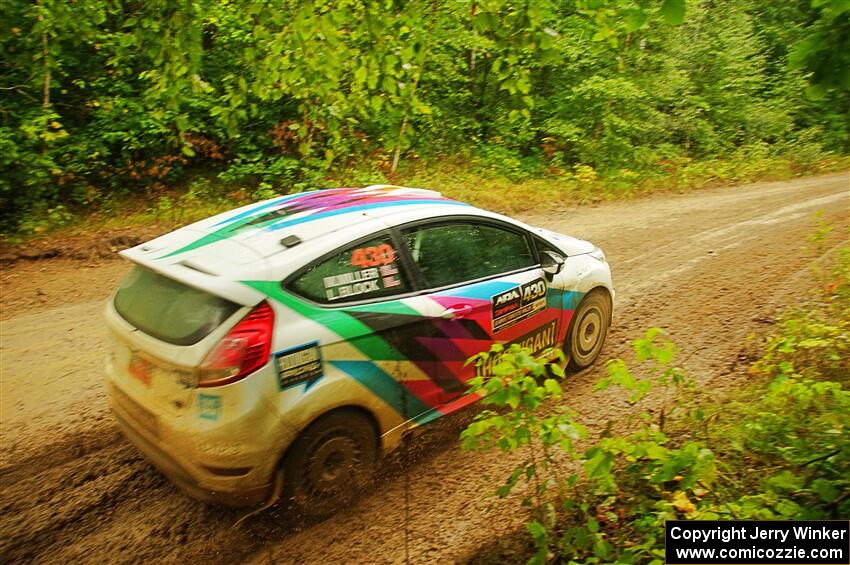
196,274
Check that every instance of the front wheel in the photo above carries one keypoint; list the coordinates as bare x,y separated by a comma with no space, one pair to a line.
588,330
330,463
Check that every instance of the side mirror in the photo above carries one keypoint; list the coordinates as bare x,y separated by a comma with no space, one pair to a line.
551,263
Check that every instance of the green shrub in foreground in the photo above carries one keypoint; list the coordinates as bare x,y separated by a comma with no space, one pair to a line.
778,449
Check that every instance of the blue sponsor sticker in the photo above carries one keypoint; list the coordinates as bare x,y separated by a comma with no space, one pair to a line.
302,364
209,406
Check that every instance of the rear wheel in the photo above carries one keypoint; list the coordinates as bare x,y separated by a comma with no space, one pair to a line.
588,329
330,463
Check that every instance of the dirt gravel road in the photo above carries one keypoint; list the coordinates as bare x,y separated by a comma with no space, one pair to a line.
710,267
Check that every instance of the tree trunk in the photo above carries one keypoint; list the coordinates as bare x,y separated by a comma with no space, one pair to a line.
45,58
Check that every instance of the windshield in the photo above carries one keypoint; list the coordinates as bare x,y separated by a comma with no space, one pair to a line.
169,310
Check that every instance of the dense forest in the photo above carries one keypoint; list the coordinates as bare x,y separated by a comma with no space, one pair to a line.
103,99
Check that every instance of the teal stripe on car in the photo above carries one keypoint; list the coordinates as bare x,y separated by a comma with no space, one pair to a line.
259,207
383,386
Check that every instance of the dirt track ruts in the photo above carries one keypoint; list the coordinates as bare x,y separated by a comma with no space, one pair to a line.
710,267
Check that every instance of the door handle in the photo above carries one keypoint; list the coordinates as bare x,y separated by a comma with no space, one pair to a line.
457,311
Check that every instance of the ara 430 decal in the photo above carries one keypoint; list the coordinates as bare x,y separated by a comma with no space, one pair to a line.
517,304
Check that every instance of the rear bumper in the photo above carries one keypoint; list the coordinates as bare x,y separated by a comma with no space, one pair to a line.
193,479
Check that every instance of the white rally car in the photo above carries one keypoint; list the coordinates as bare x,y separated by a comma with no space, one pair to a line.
287,344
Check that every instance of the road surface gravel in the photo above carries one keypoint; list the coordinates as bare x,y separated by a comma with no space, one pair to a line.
710,267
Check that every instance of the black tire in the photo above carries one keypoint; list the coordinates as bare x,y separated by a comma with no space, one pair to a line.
588,330
330,463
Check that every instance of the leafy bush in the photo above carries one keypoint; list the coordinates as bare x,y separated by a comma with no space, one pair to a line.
501,161
97,105
778,449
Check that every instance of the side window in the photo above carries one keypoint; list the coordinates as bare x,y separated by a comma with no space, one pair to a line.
366,270
452,253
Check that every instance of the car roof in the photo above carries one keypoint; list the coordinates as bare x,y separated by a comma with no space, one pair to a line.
262,241
307,216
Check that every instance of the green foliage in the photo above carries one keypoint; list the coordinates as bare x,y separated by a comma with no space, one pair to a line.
798,436
577,498
498,160
109,99
657,354
799,432
778,449
825,49
41,218
523,383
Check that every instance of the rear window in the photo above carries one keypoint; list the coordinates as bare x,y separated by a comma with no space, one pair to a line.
168,310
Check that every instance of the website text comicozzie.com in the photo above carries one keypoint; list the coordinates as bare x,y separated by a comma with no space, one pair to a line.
758,542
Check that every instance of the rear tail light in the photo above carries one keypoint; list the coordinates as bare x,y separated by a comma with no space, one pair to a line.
243,350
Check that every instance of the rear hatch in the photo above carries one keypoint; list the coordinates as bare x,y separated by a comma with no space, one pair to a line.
169,310
164,320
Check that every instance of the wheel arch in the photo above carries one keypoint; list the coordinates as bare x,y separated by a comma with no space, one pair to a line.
367,414
606,292
602,292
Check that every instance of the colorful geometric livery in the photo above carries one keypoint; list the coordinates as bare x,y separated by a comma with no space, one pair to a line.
294,209
428,353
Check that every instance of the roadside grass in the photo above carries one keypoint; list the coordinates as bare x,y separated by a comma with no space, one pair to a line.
512,193
777,448
487,185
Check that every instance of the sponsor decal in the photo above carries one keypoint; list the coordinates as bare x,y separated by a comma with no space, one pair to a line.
209,406
536,340
389,275
352,283
517,304
140,370
302,364
377,272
